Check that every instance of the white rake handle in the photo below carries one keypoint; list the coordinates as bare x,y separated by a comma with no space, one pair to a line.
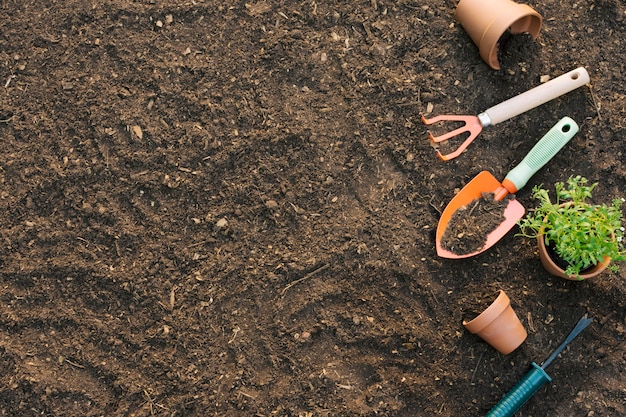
535,97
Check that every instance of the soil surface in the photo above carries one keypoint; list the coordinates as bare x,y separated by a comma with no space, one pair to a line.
228,209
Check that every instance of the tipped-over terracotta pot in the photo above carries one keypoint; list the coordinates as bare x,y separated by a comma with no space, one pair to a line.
485,21
499,326
554,269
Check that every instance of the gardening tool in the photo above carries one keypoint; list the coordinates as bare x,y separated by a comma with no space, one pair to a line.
485,183
534,378
507,109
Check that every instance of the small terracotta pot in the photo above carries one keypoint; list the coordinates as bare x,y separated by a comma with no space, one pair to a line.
550,266
485,21
499,326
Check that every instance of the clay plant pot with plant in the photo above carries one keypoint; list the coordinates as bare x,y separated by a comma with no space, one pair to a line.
577,239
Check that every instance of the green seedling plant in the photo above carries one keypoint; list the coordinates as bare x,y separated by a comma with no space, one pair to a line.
580,233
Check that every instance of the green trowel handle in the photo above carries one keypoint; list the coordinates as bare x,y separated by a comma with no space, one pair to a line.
522,392
542,152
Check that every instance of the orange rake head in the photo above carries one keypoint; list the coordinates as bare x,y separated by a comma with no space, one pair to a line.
472,125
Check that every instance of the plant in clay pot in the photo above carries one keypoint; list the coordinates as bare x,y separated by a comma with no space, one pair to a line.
580,238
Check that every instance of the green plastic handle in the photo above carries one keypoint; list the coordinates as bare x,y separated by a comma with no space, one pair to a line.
521,392
542,152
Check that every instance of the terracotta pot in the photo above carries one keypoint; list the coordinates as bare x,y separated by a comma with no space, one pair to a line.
499,326
554,269
485,21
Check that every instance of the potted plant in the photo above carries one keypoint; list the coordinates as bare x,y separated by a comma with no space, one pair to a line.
577,239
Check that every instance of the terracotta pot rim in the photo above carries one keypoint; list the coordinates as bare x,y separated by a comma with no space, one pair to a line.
486,21
501,302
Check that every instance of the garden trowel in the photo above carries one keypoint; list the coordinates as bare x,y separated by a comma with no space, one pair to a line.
485,184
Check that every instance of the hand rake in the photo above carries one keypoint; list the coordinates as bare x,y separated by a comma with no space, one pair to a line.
507,109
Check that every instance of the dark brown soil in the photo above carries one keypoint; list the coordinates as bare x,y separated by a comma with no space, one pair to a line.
470,225
228,209
480,301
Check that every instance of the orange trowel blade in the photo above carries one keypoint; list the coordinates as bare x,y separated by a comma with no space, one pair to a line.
481,183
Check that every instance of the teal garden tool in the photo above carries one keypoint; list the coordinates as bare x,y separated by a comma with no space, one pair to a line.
534,378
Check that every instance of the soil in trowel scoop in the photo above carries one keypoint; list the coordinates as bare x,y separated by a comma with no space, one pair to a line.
470,225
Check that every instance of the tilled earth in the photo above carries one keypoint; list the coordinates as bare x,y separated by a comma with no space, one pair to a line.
229,209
